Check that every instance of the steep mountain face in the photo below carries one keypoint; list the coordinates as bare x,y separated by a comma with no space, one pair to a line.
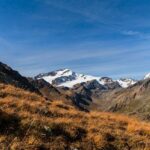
93,87
68,78
10,76
82,101
134,100
47,90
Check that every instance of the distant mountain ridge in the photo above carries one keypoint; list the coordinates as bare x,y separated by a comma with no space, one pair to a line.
68,78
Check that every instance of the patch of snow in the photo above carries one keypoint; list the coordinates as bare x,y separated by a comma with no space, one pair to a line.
80,78
126,82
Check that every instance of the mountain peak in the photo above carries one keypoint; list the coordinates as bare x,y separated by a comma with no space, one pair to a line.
68,78
64,72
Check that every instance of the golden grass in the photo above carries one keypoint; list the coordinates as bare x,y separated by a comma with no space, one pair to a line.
28,121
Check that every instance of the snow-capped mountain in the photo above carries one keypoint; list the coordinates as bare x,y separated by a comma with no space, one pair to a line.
68,78
126,82
147,76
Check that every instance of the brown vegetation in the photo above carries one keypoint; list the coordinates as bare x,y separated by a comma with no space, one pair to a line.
28,121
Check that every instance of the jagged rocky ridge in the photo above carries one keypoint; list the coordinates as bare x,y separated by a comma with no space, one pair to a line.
10,76
68,78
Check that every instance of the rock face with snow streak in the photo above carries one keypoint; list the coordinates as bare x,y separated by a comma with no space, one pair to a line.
68,78
147,76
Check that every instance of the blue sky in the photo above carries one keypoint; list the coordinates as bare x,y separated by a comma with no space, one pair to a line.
98,37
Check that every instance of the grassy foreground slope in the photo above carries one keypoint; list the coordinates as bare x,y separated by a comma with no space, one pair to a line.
28,121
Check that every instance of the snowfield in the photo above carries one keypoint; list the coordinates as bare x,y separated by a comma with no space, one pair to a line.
68,78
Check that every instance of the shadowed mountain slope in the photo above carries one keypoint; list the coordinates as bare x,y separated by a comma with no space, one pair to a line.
10,76
47,90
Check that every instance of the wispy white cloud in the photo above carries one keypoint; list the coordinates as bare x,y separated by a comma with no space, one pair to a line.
137,34
130,33
101,12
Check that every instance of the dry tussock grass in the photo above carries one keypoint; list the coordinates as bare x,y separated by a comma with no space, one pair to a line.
28,121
